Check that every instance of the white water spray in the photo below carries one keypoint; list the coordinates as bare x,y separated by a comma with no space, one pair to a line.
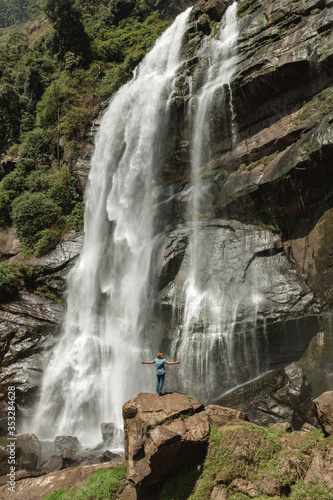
207,342
96,367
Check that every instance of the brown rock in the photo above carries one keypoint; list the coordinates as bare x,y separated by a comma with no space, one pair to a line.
220,415
9,243
323,408
27,451
219,493
38,487
54,463
271,486
68,454
161,434
307,427
282,425
321,469
246,487
214,8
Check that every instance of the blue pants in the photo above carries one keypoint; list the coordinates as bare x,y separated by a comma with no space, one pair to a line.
159,384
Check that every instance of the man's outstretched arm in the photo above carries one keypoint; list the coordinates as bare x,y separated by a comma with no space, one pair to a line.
173,362
147,362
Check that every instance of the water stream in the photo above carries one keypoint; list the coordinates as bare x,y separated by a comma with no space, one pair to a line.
95,366
205,341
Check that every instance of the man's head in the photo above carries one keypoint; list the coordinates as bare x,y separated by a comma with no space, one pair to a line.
160,355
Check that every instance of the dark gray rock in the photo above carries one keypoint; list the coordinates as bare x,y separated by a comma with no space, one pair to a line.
109,431
69,442
282,397
35,306
89,460
66,250
54,463
108,456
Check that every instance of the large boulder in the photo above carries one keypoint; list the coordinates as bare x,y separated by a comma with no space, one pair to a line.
109,432
162,434
321,469
323,407
69,442
220,415
27,451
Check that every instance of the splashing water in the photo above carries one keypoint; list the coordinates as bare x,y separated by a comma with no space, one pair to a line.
209,341
95,366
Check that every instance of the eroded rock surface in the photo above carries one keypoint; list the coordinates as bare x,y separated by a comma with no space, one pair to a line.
283,396
162,433
323,407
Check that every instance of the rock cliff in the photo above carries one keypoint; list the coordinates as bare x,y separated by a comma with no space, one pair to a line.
264,219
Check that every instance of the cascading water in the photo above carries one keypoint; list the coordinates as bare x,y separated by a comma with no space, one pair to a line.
207,343
96,367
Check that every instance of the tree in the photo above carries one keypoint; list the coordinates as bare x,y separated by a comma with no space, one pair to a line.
70,35
32,213
10,114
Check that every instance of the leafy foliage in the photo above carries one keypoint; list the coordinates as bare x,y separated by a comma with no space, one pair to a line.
14,11
31,214
55,71
14,277
10,114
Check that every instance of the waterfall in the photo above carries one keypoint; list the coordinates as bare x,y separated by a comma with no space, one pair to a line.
95,366
206,341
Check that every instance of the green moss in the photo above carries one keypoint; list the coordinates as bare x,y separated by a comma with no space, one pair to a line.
105,484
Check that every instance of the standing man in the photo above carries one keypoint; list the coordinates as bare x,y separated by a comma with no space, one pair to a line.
160,370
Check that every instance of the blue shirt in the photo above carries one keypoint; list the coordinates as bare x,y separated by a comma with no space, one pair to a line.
160,370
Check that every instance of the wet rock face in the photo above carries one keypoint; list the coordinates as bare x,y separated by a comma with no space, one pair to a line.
264,230
29,322
282,396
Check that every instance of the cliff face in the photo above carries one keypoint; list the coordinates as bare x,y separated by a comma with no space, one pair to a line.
264,219
29,322
265,214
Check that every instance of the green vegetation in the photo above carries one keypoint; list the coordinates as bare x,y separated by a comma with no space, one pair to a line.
55,72
17,11
104,484
313,491
14,277
264,161
256,454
